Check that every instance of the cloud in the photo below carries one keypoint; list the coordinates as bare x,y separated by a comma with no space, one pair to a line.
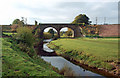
93,10
57,11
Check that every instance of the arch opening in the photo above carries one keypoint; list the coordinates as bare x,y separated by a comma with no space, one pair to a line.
66,32
50,32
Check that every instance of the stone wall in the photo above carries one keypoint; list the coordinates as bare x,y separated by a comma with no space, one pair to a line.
109,30
10,28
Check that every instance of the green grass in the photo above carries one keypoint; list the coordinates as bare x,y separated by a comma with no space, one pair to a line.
0,57
8,33
94,52
18,63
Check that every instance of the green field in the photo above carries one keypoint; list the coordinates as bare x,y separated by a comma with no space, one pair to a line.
18,63
94,52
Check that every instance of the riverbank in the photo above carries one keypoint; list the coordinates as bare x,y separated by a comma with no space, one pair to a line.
99,55
18,63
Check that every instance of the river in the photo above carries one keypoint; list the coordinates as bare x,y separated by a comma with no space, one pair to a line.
59,62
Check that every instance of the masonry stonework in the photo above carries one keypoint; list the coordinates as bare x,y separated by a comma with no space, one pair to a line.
104,30
58,27
109,30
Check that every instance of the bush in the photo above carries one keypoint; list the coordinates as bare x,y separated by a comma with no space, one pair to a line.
25,40
55,37
24,35
91,36
47,35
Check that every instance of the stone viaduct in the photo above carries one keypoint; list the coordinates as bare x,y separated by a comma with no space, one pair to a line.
58,27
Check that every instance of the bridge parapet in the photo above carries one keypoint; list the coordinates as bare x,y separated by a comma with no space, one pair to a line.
58,27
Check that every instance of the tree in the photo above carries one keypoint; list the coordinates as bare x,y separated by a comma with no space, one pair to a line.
69,32
24,20
51,31
16,21
62,32
82,18
25,40
24,34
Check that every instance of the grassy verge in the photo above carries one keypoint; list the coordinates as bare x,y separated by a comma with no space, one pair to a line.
9,34
100,53
18,63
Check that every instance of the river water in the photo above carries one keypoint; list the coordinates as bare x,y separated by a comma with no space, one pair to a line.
59,62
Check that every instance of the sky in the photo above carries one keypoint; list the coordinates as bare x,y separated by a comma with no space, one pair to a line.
58,11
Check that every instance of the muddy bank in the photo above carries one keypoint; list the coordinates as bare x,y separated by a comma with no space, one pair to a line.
93,69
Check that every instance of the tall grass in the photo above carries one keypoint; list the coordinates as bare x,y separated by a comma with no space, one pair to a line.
18,63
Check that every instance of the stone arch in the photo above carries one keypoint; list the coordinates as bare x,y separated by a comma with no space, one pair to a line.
43,28
58,27
74,27
70,28
50,28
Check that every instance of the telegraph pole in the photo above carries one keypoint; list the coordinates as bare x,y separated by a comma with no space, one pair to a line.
104,20
96,20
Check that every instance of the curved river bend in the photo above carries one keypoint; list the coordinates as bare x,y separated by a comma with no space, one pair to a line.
59,62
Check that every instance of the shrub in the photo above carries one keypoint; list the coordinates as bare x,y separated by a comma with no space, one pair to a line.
55,36
47,35
24,35
25,40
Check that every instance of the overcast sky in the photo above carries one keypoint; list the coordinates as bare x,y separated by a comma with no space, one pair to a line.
58,11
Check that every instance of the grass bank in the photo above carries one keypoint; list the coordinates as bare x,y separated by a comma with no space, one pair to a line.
9,34
96,53
18,63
